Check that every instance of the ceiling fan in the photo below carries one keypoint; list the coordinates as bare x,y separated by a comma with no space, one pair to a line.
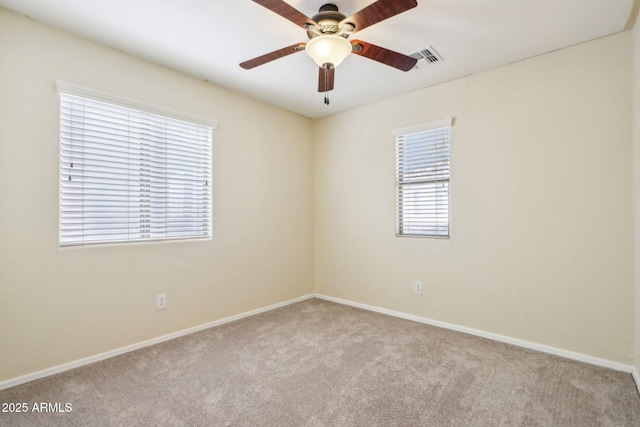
328,34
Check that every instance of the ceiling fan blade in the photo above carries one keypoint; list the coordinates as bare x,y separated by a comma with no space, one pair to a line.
384,56
271,56
378,11
326,77
287,11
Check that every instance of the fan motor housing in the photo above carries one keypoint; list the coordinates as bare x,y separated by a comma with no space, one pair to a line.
328,18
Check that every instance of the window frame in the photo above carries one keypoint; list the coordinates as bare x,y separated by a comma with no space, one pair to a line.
400,185
208,126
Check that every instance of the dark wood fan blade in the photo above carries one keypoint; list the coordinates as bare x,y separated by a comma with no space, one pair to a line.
378,11
384,56
285,10
271,56
326,77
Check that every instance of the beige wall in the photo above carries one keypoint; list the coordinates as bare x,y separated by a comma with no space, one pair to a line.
636,190
541,211
61,304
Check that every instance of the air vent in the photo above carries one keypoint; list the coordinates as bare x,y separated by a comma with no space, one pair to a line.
426,56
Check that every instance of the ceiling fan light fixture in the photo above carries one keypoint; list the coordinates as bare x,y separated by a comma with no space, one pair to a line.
328,49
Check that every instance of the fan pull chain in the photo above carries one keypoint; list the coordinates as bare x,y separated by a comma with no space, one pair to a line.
326,85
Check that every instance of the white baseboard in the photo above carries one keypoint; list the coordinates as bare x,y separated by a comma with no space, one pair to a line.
122,350
496,337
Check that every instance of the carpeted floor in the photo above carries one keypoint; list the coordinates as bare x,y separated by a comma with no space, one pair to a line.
318,363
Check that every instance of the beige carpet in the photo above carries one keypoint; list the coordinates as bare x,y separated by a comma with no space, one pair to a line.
317,363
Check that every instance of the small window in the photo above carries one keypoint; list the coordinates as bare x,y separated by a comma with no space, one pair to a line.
422,180
130,174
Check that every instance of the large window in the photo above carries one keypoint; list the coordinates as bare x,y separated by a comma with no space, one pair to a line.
131,174
422,179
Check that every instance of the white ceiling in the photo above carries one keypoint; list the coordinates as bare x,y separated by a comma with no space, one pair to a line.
209,38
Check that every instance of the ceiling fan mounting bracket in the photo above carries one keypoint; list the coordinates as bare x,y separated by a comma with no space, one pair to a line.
328,16
329,7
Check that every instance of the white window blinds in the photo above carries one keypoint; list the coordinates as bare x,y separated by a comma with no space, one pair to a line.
131,175
422,180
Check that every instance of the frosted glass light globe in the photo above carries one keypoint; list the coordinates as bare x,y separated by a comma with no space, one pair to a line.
328,49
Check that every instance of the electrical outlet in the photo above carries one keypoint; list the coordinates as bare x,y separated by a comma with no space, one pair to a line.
417,288
161,302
